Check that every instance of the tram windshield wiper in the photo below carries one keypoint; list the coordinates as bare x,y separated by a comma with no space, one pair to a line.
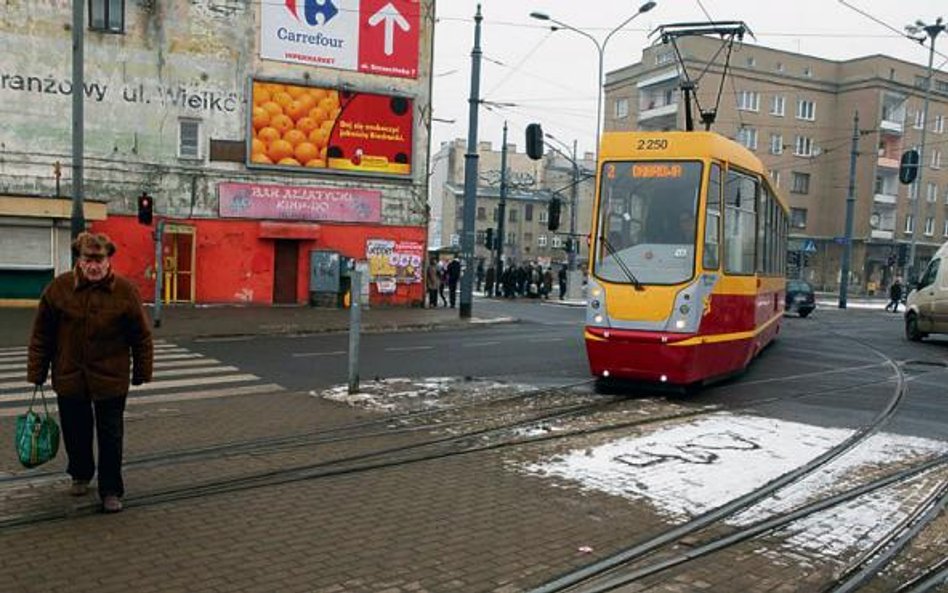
625,269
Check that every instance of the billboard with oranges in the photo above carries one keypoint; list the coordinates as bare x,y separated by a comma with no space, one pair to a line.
305,128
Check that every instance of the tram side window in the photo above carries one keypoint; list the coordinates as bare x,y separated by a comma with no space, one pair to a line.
712,221
766,238
740,221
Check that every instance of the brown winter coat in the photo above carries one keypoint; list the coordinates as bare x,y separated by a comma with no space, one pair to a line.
86,331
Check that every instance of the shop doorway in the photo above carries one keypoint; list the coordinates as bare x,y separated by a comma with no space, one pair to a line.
285,267
178,263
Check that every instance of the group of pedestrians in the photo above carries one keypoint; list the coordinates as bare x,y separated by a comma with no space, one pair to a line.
529,279
441,275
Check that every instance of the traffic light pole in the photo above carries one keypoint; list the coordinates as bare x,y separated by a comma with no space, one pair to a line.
159,272
501,210
470,175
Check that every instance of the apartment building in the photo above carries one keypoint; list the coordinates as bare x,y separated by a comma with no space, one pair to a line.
531,186
796,112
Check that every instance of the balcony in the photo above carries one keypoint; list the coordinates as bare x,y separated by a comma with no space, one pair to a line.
887,162
881,234
885,199
893,127
661,111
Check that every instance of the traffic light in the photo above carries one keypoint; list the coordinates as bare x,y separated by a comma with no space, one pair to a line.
903,254
535,142
489,238
145,208
908,166
553,218
568,245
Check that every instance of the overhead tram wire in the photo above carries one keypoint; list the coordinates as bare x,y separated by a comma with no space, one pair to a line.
902,34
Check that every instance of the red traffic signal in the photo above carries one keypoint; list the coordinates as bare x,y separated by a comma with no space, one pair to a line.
145,209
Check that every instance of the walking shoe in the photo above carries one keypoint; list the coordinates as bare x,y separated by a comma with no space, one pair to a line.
79,488
111,504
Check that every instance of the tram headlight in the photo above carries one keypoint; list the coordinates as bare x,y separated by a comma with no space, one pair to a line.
596,291
594,303
680,324
598,318
684,309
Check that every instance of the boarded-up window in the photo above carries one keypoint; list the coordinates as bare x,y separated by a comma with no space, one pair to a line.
189,139
26,246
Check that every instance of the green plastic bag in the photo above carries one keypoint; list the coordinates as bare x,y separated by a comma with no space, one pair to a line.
37,436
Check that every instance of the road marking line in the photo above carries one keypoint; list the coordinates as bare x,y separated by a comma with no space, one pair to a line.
409,348
195,371
172,397
157,385
479,344
306,354
202,366
543,340
194,362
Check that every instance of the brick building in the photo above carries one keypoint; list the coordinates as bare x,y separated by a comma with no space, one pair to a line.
796,113
531,185
263,131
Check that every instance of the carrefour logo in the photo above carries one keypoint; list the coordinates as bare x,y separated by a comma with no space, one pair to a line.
315,12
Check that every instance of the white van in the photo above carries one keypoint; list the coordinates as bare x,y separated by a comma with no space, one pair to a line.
926,308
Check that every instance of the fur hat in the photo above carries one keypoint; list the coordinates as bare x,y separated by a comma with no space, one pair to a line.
93,243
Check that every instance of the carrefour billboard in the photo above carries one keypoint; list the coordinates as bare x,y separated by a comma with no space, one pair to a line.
371,36
310,128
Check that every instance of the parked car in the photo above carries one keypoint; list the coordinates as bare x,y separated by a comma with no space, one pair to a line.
800,298
926,307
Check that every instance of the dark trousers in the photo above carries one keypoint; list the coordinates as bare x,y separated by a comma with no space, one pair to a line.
453,292
432,298
79,416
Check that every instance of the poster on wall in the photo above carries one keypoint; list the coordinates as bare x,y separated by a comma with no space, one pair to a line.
394,262
302,127
371,36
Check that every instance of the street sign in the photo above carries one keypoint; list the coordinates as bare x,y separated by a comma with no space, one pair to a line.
839,241
809,246
372,36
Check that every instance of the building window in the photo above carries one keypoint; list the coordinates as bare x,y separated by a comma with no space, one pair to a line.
512,215
189,138
919,119
806,110
775,175
929,226
945,230
542,215
803,146
776,144
798,218
932,194
622,108
936,159
778,105
799,183
494,217
748,101
541,241
511,238
909,223
528,212
939,124
557,241
664,57
748,137
751,62
107,15
941,86
921,81
807,71
913,191
481,213
779,67
528,238
479,238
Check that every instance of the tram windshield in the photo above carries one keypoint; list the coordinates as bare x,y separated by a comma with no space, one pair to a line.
647,214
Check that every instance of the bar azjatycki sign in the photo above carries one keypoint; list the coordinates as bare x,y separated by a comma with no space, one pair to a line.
284,202
371,36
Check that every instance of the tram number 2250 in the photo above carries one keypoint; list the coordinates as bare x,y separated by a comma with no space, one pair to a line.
652,144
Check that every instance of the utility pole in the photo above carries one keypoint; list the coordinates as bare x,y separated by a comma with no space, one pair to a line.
470,175
78,220
932,31
501,209
574,278
850,204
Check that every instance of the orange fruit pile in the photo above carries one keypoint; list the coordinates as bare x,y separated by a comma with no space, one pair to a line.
291,124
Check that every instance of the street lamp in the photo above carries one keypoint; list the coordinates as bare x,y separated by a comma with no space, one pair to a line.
931,32
601,48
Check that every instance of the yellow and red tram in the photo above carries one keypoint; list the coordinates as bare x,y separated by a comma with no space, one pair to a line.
687,258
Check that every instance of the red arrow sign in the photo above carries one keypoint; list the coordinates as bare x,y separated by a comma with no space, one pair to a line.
388,37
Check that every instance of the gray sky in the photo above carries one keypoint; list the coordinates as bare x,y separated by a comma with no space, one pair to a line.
551,76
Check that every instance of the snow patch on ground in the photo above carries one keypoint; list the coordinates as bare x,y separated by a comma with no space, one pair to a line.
402,394
691,467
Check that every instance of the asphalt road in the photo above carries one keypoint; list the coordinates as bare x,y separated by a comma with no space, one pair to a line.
826,370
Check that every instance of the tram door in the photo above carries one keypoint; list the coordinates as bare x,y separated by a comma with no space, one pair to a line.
178,251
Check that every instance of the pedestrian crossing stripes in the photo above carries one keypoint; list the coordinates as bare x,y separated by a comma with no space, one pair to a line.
179,375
